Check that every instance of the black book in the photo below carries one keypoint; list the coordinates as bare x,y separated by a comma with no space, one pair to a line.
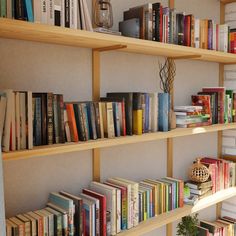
156,21
91,120
128,97
180,28
97,119
19,7
67,13
60,103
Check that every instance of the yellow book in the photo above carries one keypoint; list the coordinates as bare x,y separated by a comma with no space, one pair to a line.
137,122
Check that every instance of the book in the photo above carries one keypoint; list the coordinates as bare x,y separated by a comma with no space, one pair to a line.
128,98
137,113
39,222
66,204
33,224
3,104
27,224
108,121
20,224
197,186
72,123
78,212
103,209
110,194
29,10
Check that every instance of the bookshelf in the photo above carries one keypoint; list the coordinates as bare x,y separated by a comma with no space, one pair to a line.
104,143
20,30
166,218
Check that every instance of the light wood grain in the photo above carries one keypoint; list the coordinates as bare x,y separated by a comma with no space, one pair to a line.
170,157
16,29
229,158
96,165
227,1
166,218
103,143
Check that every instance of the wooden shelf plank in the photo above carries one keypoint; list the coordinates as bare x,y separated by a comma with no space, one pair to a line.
227,1
103,143
163,219
15,29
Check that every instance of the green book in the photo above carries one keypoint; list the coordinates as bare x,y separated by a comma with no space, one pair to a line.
3,8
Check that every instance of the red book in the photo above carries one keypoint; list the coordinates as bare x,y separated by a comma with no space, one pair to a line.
205,102
123,118
103,209
161,24
226,173
221,101
232,42
72,122
213,168
187,30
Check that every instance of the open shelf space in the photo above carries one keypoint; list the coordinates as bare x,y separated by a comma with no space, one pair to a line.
166,218
103,143
15,29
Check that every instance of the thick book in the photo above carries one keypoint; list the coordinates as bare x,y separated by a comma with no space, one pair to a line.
195,185
29,10
180,28
27,224
39,222
157,21
108,120
139,13
72,122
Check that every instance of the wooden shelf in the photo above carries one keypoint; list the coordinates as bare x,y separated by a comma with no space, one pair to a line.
166,218
227,1
103,143
15,29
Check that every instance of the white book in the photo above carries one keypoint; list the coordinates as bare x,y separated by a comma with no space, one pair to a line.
44,11
50,12
67,128
134,198
37,10
101,120
110,193
9,9
214,36
74,14
154,112
197,33
223,38
129,215
8,118
29,118
13,126
87,18
22,121
50,218
3,104
17,113
63,13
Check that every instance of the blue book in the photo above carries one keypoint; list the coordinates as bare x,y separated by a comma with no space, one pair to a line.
163,111
66,204
29,10
91,120
115,107
146,123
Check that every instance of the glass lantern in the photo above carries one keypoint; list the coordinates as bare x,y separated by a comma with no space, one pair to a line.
103,16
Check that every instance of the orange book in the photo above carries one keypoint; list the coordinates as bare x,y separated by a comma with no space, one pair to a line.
72,122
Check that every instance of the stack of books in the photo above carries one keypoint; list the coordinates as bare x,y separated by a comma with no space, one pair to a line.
191,116
66,13
101,209
163,24
199,190
213,105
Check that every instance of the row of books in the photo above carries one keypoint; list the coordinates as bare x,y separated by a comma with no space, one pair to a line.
213,105
162,24
102,209
33,119
225,225
66,13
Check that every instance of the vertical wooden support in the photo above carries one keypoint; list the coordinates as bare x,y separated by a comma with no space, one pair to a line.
221,83
96,96
169,227
2,203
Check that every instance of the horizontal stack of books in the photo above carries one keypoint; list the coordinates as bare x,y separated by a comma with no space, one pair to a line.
66,13
101,209
163,24
213,105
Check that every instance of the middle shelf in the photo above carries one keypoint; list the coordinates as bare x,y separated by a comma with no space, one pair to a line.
103,143
166,218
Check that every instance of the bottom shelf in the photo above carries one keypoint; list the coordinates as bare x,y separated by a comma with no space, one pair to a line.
166,218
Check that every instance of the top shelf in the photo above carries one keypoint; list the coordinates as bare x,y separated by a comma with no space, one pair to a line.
15,29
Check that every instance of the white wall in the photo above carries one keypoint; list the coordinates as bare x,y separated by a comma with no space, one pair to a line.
67,70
